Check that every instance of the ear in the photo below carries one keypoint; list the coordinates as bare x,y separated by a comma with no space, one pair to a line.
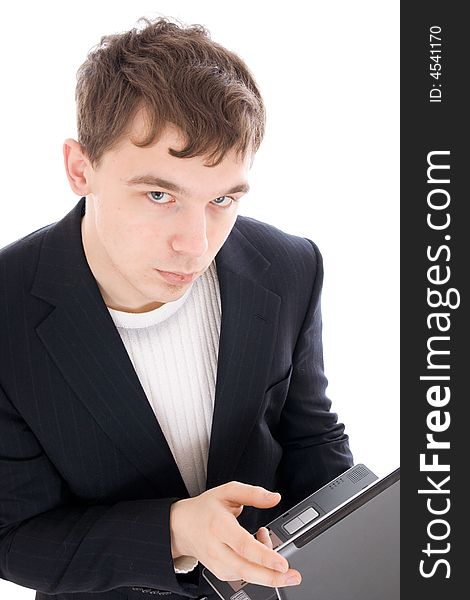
77,167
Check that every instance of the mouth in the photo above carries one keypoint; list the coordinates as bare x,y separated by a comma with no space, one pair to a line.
174,277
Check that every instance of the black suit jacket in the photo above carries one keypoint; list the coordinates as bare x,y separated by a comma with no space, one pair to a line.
86,476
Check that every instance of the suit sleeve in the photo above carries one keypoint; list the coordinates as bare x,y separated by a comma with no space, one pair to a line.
315,447
51,543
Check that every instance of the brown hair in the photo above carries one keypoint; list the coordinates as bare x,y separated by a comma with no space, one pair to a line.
178,75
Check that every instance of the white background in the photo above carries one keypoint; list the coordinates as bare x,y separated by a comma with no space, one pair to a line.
328,168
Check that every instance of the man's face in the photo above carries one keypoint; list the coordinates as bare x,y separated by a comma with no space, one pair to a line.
150,214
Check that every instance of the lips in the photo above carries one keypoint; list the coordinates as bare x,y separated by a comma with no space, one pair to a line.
173,277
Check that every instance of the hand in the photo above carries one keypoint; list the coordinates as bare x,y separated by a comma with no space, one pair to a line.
262,535
206,527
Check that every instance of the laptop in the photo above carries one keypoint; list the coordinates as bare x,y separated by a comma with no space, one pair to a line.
344,539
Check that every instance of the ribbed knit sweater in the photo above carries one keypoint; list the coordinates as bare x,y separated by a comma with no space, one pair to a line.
174,350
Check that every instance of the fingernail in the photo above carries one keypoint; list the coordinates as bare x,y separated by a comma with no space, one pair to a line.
270,494
292,580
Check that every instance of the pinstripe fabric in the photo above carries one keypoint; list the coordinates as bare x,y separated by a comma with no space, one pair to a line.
86,476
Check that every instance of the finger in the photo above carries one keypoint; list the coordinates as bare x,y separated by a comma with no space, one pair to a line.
243,569
263,536
251,549
250,495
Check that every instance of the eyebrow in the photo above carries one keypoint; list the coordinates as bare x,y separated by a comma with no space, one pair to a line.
158,182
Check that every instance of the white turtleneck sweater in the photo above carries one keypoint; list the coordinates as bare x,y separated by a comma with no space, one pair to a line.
174,350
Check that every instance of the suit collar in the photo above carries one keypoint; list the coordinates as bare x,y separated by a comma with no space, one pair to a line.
82,340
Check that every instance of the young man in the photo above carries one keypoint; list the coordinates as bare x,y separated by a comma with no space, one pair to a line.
160,357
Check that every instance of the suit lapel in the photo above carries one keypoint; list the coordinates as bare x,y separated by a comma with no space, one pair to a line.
82,340
250,314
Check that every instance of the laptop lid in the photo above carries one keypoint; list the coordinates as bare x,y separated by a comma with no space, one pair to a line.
354,552
337,538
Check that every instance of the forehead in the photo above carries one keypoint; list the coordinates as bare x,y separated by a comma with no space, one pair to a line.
129,161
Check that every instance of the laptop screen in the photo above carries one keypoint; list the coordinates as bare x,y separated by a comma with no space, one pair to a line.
354,553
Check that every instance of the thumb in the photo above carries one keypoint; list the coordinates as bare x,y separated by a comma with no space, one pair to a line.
251,495
270,498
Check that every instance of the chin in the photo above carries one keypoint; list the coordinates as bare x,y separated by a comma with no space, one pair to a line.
167,293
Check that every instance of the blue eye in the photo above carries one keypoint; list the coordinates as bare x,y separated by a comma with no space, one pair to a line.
158,197
164,198
223,198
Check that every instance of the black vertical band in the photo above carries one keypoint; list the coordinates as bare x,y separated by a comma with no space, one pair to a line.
435,234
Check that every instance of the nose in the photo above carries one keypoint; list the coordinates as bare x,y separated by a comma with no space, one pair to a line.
190,234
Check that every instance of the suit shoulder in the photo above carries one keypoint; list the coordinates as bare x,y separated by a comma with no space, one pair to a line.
18,260
27,243
275,243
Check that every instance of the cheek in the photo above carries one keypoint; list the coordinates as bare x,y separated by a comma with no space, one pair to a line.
138,240
121,224
220,230
126,239
111,220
